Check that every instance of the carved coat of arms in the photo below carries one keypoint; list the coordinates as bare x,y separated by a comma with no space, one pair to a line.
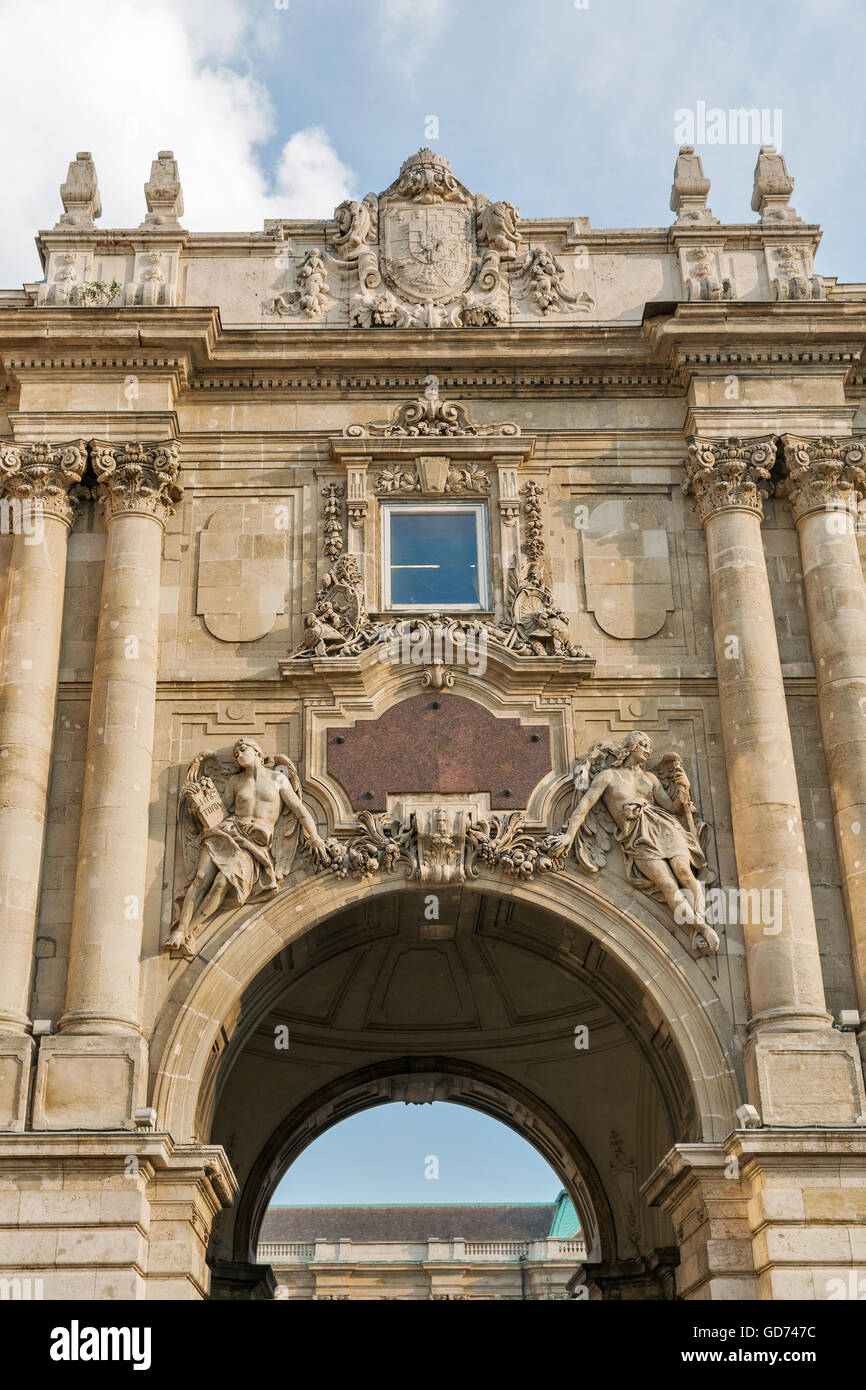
428,251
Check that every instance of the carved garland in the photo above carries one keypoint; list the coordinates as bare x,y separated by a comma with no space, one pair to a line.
444,844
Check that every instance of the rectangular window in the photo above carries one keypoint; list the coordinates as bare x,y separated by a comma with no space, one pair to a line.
435,556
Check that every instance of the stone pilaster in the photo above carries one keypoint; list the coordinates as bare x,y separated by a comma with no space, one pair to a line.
770,1214
790,1030
825,478
699,1188
138,488
110,1216
39,489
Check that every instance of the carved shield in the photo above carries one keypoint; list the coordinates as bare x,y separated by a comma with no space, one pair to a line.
428,252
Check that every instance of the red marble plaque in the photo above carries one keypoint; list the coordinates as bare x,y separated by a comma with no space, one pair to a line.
439,743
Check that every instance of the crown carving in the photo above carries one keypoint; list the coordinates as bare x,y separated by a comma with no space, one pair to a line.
427,177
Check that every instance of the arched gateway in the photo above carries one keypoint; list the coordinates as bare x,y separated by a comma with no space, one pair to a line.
432,672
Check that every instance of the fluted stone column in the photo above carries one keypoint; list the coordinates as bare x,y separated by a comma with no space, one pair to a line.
825,478
138,489
790,1030
38,487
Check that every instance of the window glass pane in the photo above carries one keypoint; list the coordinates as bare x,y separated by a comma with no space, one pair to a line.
434,558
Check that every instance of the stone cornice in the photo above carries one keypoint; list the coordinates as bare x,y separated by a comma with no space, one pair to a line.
812,333
77,342
486,380
823,474
725,474
134,478
45,475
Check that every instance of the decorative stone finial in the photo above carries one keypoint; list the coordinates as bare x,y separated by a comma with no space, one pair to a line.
723,473
163,192
80,193
690,189
771,194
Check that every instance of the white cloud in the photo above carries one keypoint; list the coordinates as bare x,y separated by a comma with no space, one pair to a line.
408,29
309,174
124,82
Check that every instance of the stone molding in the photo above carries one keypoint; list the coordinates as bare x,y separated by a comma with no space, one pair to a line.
823,474
725,474
48,475
429,415
137,479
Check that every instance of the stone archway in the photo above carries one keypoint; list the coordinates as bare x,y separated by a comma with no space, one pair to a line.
202,1009
659,1047
421,1081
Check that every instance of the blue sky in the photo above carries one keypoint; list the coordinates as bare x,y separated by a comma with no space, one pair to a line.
562,110
383,1155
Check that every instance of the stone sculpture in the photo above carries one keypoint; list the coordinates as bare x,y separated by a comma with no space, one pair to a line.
650,813
239,832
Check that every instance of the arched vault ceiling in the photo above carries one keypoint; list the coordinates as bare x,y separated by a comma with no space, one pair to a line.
489,983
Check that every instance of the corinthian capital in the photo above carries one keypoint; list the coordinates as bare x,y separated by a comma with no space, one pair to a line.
823,474
44,476
729,473
136,477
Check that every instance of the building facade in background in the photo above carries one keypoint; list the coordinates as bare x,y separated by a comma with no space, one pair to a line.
495,1251
434,668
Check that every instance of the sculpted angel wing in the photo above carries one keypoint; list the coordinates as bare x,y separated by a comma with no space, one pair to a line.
594,839
596,834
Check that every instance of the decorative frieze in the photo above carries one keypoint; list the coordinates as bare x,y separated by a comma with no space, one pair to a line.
428,253
429,415
136,477
438,476
44,476
498,227
724,473
704,276
543,278
650,814
333,541
823,474
311,296
792,273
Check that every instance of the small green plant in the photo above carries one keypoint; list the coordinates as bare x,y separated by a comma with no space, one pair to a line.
95,293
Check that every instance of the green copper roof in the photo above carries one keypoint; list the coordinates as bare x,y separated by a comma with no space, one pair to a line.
565,1223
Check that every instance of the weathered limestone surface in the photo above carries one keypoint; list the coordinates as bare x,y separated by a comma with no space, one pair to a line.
193,644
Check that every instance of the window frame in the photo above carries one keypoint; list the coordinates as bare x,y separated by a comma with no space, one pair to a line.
482,536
